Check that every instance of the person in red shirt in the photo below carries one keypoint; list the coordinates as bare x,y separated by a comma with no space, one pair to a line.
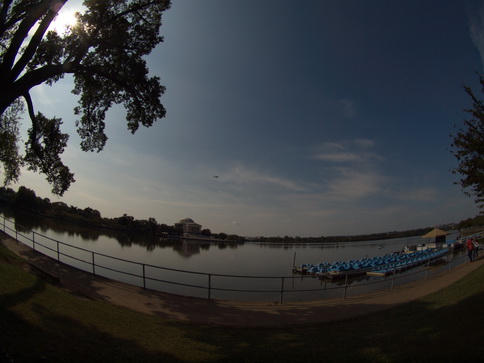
470,248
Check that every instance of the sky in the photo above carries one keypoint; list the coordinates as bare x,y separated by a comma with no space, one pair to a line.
319,118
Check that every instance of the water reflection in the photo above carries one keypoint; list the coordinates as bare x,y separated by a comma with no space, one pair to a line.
25,222
63,230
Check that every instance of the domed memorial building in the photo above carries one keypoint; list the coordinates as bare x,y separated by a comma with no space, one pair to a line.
187,225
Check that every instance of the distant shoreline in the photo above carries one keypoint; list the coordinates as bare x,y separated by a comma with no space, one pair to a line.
26,200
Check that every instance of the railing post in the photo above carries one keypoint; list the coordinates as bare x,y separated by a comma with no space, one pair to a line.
209,286
93,264
323,282
58,251
427,270
393,278
282,289
144,276
346,286
33,240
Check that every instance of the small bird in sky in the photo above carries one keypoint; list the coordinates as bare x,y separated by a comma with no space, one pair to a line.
215,176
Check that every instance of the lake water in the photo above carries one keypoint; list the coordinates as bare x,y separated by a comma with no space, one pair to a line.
269,260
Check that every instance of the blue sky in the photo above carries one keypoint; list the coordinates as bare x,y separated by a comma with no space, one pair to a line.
318,117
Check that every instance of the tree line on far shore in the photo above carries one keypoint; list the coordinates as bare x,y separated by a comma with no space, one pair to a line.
26,199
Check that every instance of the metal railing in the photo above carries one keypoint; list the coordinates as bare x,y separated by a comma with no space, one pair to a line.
150,276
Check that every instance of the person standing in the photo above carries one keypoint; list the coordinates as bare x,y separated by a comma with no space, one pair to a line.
470,248
476,249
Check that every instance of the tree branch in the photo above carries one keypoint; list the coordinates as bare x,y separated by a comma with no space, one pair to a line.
134,9
21,34
18,13
34,42
3,15
35,125
39,76
117,80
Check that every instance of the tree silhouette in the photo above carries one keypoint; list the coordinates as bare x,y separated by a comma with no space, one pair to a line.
103,51
468,148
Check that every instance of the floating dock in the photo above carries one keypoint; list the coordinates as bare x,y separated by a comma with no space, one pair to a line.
376,266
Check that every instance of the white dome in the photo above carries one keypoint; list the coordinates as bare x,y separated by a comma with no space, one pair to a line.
186,221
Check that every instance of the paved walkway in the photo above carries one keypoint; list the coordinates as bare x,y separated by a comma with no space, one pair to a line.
231,313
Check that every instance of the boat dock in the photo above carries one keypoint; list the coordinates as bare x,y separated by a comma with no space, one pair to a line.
376,266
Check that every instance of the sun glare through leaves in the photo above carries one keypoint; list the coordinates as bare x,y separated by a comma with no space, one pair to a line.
65,19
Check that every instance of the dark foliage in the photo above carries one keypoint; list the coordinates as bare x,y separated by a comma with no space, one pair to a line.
468,148
103,51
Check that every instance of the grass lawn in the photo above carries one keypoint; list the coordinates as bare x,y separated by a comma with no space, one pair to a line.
40,321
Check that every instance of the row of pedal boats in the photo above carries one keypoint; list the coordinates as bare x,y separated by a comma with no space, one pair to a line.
378,266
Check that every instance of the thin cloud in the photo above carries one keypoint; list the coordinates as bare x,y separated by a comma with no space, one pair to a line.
364,143
338,157
476,30
241,175
343,107
350,169
423,194
352,184
348,108
352,151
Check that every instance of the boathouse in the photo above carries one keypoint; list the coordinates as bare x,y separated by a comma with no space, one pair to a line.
187,225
